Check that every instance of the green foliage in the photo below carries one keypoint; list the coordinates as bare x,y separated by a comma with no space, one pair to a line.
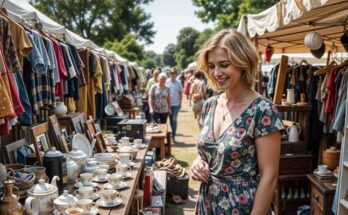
227,13
127,48
100,21
203,37
151,60
169,55
185,50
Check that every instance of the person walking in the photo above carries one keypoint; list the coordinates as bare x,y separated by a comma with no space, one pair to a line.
239,144
159,100
197,94
176,98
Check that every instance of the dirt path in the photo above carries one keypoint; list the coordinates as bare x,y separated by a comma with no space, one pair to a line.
184,150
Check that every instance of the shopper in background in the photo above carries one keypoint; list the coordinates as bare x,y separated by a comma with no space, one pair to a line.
159,100
239,144
197,94
152,80
176,98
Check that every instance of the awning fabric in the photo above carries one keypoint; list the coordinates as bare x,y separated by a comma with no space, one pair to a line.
285,24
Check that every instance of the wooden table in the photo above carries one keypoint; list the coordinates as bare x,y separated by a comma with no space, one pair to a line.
132,112
127,194
158,139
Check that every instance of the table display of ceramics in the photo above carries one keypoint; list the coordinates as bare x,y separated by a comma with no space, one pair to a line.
83,144
65,201
45,194
109,204
87,193
119,186
91,166
72,169
79,157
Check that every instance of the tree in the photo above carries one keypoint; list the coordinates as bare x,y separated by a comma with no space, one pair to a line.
169,55
203,37
100,20
227,13
127,48
185,51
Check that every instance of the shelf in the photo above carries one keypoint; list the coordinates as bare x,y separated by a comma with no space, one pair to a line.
283,108
345,163
344,203
293,177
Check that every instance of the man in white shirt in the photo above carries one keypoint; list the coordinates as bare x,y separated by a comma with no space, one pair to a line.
176,98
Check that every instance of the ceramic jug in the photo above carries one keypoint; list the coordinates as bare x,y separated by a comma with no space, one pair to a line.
9,205
60,109
294,133
290,96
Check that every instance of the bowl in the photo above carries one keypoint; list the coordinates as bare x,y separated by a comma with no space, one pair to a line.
105,157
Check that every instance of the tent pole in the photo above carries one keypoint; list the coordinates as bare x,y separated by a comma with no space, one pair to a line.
259,66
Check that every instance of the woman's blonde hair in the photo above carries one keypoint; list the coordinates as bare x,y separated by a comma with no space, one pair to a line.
240,51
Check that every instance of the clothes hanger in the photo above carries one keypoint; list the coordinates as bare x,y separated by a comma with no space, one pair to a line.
328,66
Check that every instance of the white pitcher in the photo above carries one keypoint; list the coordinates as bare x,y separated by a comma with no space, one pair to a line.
294,133
290,96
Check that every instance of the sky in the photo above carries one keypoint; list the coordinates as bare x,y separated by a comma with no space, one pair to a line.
169,17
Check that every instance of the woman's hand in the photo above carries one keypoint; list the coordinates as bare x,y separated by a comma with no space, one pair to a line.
200,170
151,112
169,112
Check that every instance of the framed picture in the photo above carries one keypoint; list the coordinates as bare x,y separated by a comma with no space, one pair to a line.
42,142
118,109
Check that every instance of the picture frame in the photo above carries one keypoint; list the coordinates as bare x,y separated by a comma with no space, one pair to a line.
41,140
118,109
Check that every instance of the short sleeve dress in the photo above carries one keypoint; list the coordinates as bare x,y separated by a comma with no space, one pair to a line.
232,157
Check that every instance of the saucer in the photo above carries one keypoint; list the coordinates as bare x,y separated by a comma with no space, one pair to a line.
127,175
327,173
118,187
93,197
79,184
100,180
131,164
93,211
143,146
114,203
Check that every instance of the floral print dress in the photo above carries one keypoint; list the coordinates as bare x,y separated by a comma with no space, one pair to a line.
232,157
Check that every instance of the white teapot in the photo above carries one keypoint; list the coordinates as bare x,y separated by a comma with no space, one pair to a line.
294,133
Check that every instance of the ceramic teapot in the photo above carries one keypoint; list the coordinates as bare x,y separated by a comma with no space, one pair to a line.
72,169
294,133
79,157
65,201
44,194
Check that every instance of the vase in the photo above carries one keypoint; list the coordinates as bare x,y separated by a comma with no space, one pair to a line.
9,205
61,109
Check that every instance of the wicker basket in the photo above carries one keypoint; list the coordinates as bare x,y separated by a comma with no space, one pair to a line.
20,183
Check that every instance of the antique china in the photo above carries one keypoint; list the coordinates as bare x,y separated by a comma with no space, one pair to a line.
65,201
74,211
105,157
109,196
123,169
60,109
125,158
110,110
45,194
294,133
100,173
86,192
83,144
113,203
290,96
9,204
72,169
101,180
91,166
79,157
119,186
86,204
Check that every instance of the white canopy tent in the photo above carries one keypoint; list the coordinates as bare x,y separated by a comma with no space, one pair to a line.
285,24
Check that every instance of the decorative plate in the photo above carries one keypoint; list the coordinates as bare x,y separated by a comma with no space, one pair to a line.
82,143
327,173
110,110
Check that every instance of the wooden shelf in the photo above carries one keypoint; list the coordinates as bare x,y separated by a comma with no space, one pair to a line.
293,177
287,108
344,203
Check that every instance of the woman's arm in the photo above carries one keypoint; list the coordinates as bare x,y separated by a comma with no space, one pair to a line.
268,155
150,103
169,102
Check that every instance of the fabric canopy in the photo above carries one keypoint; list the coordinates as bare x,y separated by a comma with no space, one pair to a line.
284,25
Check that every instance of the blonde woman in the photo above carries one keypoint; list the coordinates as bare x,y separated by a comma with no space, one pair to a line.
240,138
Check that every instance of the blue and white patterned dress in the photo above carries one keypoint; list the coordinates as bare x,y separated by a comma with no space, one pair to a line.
232,157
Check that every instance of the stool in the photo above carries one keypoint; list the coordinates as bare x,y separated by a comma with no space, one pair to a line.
137,202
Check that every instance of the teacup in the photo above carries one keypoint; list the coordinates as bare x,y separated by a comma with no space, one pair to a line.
104,166
60,206
125,158
74,211
122,169
125,141
333,148
100,173
86,178
115,179
85,204
108,195
322,169
85,192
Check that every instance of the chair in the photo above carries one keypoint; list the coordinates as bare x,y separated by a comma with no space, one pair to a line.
56,134
40,139
11,150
